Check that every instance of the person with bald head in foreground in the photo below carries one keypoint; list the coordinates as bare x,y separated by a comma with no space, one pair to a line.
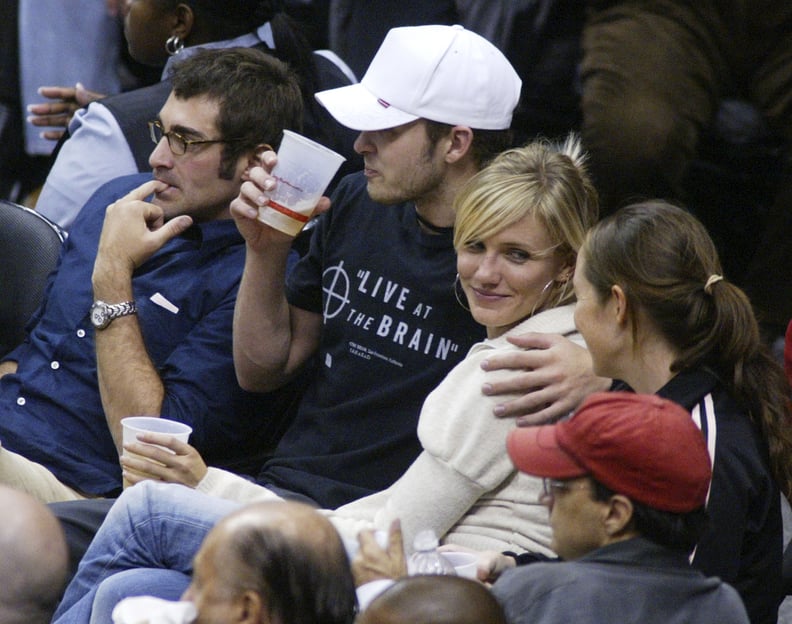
275,562
434,600
33,560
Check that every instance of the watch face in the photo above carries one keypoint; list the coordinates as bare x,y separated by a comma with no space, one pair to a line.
99,316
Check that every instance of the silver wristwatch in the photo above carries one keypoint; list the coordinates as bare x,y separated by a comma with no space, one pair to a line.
102,313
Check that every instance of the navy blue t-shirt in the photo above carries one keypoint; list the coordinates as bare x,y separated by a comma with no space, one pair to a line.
392,331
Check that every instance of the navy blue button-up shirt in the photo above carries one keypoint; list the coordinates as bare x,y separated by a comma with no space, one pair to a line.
50,410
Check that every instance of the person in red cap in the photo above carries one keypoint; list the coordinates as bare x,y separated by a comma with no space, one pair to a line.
625,483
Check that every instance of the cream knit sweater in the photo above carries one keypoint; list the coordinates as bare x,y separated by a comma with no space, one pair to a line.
463,485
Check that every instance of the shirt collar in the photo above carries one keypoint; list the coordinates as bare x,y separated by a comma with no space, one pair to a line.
211,235
685,388
263,34
639,551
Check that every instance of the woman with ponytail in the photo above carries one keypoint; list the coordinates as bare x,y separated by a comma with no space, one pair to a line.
110,137
658,315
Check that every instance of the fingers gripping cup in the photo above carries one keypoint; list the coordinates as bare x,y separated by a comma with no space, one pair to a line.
133,425
303,171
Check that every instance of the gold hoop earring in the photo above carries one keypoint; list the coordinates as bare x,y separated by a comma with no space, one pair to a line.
562,295
460,301
539,298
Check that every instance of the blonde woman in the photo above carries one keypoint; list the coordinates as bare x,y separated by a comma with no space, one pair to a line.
519,225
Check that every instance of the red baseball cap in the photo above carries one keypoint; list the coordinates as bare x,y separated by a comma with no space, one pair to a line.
639,445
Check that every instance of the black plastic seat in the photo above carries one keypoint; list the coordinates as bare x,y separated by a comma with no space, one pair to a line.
29,248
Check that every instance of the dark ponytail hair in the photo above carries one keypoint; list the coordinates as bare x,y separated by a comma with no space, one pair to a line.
664,260
227,19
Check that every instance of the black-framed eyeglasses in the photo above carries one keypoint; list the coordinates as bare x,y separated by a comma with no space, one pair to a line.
176,142
551,487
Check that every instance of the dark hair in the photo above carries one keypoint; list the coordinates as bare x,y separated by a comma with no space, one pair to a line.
231,18
227,19
677,531
309,584
662,257
258,97
486,145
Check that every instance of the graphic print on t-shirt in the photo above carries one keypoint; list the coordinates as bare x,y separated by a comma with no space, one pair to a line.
387,312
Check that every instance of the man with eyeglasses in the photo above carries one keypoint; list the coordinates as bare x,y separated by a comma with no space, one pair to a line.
138,316
625,483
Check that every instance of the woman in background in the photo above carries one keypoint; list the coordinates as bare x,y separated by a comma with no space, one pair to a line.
658,315
110,138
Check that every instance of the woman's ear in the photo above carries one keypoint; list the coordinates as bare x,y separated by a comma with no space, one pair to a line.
620,302
566,273
184,21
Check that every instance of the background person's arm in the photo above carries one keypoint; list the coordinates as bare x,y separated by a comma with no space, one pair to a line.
95,153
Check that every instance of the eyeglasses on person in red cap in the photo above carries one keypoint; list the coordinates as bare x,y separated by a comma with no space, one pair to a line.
643,446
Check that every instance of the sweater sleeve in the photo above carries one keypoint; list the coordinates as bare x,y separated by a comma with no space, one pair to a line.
224,484
464,457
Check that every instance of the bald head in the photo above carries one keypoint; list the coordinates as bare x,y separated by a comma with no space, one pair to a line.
294,522
434,600
33,559
290,556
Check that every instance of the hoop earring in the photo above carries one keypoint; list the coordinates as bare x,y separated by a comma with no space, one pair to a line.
174,45
562,295
460,300
539,298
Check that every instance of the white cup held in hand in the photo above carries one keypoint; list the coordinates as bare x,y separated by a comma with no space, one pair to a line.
303,171
133,425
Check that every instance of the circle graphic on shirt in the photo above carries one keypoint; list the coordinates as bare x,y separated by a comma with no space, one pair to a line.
336,288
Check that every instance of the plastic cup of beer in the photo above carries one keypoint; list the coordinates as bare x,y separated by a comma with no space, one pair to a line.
133,425
303,171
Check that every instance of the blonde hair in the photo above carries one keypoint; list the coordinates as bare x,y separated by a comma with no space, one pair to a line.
543,179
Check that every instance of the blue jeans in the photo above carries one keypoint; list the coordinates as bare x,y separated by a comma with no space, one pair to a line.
166,584
152,525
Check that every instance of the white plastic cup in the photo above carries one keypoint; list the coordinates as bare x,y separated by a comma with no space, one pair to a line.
465,564
303,171
133,425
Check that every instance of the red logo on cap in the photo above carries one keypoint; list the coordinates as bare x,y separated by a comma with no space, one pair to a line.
383,103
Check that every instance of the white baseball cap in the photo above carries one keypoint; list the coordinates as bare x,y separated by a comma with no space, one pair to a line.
441,73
